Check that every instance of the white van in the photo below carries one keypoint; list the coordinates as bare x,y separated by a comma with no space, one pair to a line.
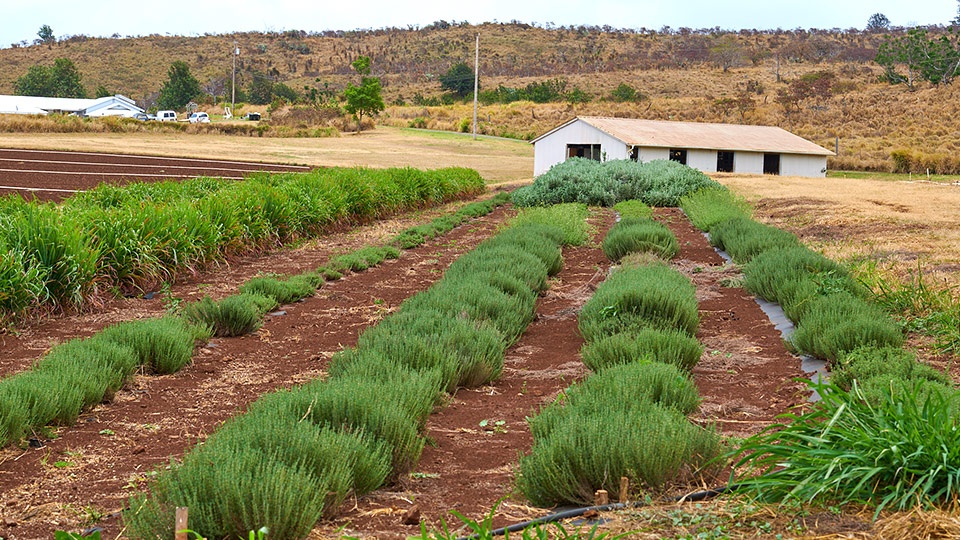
167,116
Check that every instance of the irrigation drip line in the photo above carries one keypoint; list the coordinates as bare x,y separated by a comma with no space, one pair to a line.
576,512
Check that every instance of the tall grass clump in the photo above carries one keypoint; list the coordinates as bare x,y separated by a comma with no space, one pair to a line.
640,235
709,206
163,345
633,299
234,315
896,452
21,283
657,183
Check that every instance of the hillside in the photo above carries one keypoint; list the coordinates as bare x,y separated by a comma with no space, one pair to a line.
703,75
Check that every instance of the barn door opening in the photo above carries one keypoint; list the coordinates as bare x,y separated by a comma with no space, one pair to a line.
771,164
678,155
724,161
589,151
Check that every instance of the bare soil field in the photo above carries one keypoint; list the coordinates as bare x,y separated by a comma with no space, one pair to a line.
497,160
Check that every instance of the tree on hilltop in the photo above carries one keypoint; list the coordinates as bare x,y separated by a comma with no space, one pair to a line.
878,22
180,87
366,98
45,35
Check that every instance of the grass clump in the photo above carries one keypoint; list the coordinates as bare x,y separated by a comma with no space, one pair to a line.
633,299
282,291
235,315
163,345
710,206
640,235
896,452
646,345
744,238
633,209
569,217
840,323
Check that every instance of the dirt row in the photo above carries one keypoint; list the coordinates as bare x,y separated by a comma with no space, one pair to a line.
52,176
84,477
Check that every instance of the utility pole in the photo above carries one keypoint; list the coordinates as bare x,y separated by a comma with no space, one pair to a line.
476,86
233,85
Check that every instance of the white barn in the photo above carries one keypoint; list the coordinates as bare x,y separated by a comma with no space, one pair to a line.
106,106
707,147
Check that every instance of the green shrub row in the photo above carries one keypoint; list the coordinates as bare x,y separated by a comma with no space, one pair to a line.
134,237
657,183
59,389
629,419
826,304
640,235
885,431
296,454
80,373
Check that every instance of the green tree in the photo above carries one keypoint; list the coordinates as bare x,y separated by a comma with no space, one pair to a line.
46,35
933,59
878,22
102,92
458,79
727,52
285,92
625,92
180,87
60,80
260,91
366,98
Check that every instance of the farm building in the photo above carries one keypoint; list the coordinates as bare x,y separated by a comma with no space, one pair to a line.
106,106
707,147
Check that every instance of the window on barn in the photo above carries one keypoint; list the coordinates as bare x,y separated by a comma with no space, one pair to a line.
678,156
589,151
771,164
724,161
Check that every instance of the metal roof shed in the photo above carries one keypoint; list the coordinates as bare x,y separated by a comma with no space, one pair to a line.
707,147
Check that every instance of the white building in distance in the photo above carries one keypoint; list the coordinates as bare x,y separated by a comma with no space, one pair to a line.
707,147
106,106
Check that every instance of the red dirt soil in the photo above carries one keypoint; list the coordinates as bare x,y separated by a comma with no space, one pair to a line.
87,473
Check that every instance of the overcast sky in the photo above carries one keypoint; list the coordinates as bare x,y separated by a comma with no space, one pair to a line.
22,19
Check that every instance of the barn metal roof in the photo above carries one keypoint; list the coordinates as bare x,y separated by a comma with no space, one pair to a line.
695,135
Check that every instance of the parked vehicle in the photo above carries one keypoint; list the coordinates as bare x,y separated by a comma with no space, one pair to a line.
143,117
167,116
199,118
252,116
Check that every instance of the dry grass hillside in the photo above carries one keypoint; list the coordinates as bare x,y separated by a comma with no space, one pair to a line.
704,75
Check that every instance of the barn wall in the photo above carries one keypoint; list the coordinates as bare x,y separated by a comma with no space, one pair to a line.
650,154
748,162
800,165
552,149
704,160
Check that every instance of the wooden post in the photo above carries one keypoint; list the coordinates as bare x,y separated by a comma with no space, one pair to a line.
180,529
601,498
624,488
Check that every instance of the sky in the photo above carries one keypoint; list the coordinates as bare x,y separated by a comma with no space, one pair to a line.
104,18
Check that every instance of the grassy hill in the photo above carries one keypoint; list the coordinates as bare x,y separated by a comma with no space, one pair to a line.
702,75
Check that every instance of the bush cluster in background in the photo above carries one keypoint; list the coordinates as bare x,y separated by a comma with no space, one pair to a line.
297,454
131,238
629,419
656,183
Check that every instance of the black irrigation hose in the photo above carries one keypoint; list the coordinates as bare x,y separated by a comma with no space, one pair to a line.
576,512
